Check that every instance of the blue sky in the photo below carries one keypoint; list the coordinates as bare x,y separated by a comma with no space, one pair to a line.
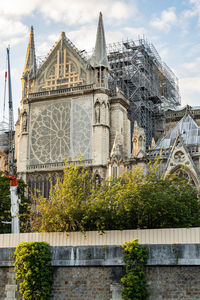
173,26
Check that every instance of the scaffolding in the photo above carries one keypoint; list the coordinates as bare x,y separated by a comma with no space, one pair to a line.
148,83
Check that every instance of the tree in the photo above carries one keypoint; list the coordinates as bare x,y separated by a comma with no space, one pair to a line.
65,210
137,199
5,205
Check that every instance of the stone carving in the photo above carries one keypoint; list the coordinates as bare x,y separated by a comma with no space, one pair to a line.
139,139
97,113
103,113
179,156
117,149
24,121
101,109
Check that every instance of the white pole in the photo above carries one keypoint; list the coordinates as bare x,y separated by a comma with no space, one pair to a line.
14,209
14,205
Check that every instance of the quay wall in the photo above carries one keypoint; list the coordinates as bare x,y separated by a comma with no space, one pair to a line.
89,272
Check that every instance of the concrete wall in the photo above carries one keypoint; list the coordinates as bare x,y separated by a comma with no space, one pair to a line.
94,272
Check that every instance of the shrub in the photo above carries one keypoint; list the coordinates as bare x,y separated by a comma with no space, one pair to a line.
33,270
134,281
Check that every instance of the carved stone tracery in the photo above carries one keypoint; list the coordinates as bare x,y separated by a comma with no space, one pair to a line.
179,156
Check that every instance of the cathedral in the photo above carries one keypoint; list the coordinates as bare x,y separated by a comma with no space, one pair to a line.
111,112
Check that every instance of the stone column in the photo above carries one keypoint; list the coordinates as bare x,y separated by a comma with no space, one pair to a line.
116,290
11,287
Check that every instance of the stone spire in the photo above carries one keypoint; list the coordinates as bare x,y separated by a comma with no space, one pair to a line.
117,151
30,62
138,139
99,57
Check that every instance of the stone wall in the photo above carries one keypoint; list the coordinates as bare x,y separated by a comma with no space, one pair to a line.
94,272
83,283
173,282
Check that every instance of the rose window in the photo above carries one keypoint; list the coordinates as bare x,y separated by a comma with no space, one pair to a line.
51,134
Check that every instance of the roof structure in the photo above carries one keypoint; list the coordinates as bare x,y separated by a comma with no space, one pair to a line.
81,55
180,108
187,128
99,57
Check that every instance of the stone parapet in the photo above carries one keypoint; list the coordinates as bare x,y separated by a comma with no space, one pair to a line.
170,255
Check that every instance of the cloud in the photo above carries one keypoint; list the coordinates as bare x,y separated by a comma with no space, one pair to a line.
76,12
67,11
194,11
84,37
135,32
192,67
166,21
18,8
82,12
11,31
190,90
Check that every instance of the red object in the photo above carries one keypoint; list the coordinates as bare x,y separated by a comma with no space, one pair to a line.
13,181
5,74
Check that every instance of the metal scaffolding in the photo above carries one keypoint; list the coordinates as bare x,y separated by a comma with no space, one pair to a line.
148,83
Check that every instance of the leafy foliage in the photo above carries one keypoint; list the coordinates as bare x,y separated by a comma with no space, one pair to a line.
137,199
66,208
33,269
134,281
5,203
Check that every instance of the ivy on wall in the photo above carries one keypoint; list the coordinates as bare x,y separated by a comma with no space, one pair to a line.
134,281
33,270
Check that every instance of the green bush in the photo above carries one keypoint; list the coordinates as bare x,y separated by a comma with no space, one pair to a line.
134,281
136,199
33,270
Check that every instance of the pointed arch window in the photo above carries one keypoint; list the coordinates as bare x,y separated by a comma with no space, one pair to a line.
115,170
183,173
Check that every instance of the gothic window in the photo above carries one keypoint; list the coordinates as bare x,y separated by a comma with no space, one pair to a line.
54,136
182,173
46,192
115,170
97,180
50,136
100,76
140,142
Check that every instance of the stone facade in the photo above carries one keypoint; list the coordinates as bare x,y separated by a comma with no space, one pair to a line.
172,272
69,110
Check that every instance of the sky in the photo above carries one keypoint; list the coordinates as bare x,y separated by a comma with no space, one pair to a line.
172,26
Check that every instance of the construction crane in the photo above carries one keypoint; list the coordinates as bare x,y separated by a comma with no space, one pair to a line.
11,156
